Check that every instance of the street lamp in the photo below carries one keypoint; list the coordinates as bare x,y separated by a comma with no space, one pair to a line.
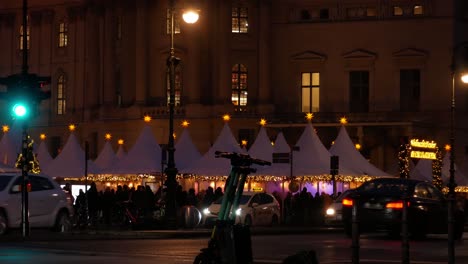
190,16
451,185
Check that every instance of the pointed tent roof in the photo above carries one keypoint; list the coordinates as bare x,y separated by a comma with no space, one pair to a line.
43,156
143,157
9,150
277,169
261,148
71,161
106,158
422,170
351,158
186,152
120,154
460,177
209,165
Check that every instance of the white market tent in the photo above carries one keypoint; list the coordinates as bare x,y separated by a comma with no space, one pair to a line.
261,148
209,165
186,152
313,159
277,169
422,170
106,158
121,152
349,157
70,163
460,177
143,157
9,149
43,156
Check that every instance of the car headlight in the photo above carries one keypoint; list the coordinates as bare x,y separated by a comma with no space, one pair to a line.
330,211
238,211
206,211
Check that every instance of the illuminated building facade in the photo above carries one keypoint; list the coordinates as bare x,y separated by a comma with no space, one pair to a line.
385,65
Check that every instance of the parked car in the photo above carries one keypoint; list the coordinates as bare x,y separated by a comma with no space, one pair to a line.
380,204
333,214
254,209
49,206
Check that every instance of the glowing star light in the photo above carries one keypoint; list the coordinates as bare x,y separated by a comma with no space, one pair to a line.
448,147
343,121
309,116
244,142
185,123
42,136
120,141
358,146
71,127
147,118
5,128
263,122
108,136
226,117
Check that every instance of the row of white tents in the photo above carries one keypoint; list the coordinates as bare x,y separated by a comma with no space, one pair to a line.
145,157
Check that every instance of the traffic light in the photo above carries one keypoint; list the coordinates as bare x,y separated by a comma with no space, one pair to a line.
24,93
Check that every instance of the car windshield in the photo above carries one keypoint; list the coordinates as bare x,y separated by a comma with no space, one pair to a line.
385,187
4,180
243,200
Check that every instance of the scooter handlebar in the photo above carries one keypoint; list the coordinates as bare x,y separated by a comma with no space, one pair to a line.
233,155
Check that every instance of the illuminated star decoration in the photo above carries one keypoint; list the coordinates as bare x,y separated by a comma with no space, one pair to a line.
5,128
226,117
343,121
72,127
263,122
120,141
185,123
358,146
108,136
309,116
448,147
244,142
147,118
42,136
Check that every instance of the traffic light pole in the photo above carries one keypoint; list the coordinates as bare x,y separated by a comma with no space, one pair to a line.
24,186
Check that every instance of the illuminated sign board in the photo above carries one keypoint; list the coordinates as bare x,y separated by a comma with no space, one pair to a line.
422,149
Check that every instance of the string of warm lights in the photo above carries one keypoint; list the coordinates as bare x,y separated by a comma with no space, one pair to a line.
437,170
403,161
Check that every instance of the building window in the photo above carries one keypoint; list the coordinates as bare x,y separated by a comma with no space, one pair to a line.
410,87
418,10
61,94
239,85
27,36
397,11
359,91
169,22
240,22
63,35
371,12
177,85
310,87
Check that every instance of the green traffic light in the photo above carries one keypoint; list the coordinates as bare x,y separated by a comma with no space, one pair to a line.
20,110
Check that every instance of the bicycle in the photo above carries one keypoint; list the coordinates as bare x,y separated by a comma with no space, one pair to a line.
230,243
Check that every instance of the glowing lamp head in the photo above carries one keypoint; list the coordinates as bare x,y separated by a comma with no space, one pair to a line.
20,110
464,77
190,16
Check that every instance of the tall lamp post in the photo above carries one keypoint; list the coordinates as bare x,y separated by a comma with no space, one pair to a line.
451,185
171,170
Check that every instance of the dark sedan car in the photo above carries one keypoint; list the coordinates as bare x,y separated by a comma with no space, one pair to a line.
380,204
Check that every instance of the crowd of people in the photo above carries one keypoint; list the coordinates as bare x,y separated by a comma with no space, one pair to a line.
110,207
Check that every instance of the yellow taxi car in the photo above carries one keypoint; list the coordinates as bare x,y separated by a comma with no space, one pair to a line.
255,209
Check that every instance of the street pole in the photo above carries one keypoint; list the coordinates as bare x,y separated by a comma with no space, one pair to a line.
171,170
452,184
24,185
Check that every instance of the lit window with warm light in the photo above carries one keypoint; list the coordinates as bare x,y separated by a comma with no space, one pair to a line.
177,85
61,94
397,11
28,35
418,10
239,85
310,91
63,34
169,22
240,20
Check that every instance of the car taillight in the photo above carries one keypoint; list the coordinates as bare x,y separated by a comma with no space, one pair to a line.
396,205
347,202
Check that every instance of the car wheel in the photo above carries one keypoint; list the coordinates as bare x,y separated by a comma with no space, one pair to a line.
3,223
62,223
248,220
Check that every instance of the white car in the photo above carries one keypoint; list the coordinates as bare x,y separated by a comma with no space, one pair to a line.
49,206
254,209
